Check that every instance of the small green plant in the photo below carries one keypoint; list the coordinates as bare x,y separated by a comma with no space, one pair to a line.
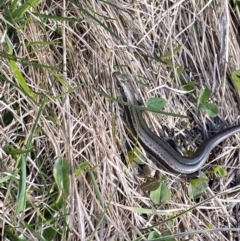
159,192
161,195
235,76
219,171
136,157
154,236
156,103
197,186
167,57
203,104
185,86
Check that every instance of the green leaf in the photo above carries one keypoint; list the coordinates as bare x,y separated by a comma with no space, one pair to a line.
20,79
23,8
140,159
164,177
49,233
4,179
153,235
156,103
210,225
197,186
210,109
10,232
166,58
7,118
61,176
167,233
161,195
11,150
203,96
82,167
220,171
135,156
21,197
170,53
150,185
188,86
180,70
235,76
165,61
182,80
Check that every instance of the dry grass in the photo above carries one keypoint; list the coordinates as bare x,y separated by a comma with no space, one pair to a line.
84,126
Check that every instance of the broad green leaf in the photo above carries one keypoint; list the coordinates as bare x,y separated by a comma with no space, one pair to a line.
197,186
220,171
235,76
153,235
49,234
161,195
150,185
203,96
188,86
167,233
156,103
182,80
210,109
7,118
61,176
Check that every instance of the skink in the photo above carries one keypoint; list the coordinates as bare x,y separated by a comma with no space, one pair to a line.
165,155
